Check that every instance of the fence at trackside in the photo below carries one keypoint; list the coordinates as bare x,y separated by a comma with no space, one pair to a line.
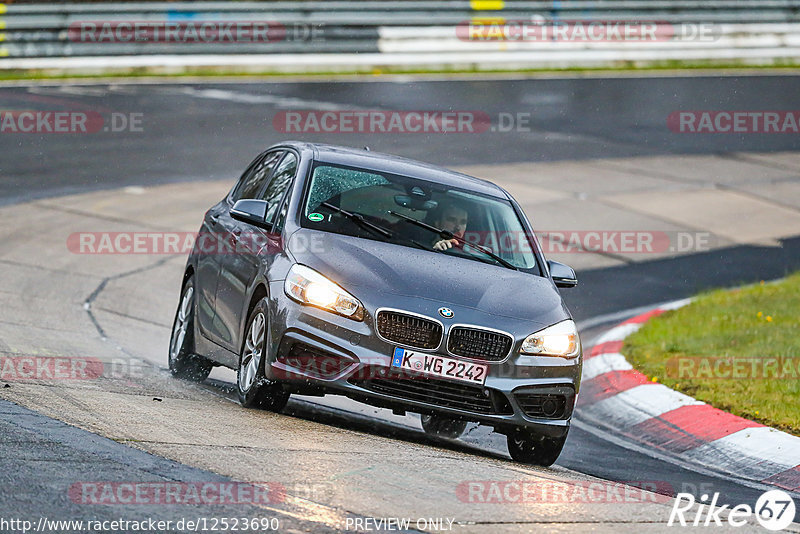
397,32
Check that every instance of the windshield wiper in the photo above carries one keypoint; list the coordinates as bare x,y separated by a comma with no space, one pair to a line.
444,234
360,220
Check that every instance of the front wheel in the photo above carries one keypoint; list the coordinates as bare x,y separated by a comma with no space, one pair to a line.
254,389
436,425
526,447
183,362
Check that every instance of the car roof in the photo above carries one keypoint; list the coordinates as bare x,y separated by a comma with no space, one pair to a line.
377,161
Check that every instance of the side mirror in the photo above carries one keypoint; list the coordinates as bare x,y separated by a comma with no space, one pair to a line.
252,212
563,275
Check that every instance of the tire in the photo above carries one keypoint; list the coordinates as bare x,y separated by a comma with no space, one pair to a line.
183,362
254,389
528,448
444,427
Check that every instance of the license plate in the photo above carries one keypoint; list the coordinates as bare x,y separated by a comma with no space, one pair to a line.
439,366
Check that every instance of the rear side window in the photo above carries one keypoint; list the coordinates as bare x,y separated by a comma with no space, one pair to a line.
253,180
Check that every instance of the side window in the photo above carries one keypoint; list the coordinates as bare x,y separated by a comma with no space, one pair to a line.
281,179
279,222
252,182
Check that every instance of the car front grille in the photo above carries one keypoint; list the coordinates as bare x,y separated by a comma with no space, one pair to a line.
409,330
478,344
437,392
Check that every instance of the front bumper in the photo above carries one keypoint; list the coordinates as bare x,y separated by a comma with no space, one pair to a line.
317,352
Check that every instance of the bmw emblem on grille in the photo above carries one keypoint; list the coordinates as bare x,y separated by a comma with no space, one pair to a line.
447,313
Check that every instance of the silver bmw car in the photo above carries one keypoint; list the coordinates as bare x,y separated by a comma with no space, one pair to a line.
329,270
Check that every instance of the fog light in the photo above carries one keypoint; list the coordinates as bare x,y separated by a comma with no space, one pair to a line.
549,407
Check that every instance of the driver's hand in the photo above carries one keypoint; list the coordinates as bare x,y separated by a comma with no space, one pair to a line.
444,244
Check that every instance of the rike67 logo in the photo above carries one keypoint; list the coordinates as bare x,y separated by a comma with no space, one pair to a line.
774,510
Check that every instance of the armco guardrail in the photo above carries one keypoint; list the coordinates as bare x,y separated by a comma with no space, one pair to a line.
759,29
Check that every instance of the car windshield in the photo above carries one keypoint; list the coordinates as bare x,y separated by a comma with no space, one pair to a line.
354,202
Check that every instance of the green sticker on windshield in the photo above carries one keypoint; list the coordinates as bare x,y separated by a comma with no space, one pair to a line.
315,217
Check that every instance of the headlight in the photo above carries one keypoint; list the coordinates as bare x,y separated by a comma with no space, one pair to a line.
561,339
307,286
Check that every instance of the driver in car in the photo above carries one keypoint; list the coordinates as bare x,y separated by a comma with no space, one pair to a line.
452,219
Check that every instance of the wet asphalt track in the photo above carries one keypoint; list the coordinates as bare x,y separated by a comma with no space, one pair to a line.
211,131
199,132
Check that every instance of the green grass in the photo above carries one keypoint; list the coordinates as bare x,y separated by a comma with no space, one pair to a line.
755,325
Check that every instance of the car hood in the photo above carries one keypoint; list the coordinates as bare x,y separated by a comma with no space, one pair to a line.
358,264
